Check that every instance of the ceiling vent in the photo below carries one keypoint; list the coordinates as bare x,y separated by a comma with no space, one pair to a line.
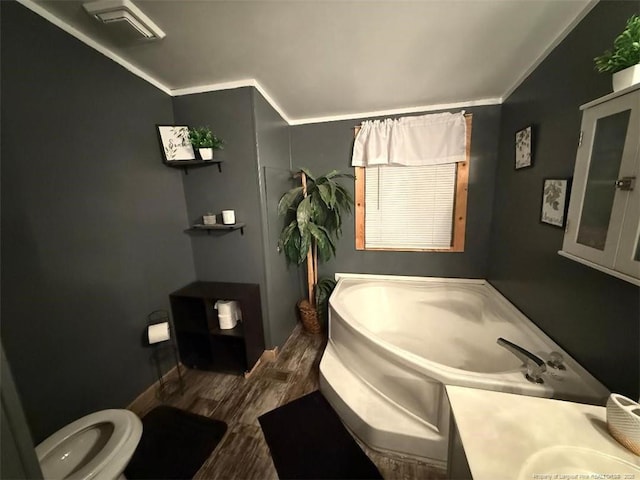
124,13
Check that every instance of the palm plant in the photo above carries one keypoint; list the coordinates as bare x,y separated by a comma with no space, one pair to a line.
313,222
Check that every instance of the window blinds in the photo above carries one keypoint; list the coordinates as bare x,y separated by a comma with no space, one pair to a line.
409,207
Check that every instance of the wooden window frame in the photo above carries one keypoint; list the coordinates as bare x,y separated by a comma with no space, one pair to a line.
459,208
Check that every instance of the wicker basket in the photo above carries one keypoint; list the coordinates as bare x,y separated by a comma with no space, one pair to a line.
309,317
623,421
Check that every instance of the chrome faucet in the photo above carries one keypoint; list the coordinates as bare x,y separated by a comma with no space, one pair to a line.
535,365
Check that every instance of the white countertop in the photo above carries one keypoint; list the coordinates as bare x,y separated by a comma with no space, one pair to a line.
500,432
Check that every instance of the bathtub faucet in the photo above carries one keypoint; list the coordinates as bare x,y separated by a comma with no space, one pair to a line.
535,365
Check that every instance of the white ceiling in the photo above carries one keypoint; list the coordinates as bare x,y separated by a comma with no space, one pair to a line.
333,58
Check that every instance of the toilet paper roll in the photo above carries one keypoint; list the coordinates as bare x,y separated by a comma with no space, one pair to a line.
227,322
228,217
235,310
158,332
224,307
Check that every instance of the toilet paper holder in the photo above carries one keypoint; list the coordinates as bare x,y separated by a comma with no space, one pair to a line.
160,337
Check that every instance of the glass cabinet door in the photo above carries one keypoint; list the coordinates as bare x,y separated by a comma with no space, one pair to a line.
606,156
628,256
609,152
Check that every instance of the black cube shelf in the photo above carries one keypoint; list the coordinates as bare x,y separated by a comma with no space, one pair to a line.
201,342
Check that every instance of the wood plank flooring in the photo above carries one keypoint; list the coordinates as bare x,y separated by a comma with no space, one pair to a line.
243,452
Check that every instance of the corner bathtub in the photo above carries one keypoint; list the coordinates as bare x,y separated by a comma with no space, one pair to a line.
395,342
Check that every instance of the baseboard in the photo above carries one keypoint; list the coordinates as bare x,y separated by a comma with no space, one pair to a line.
270,355
267,356
149,394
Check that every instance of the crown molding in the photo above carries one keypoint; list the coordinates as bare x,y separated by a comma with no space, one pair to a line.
252,82
213,87
397,111
248,82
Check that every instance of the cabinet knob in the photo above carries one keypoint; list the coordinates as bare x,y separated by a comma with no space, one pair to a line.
626,183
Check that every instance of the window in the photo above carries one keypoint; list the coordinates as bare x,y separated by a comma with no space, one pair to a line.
413,208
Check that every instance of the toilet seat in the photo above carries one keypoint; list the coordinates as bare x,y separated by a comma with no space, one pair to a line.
109,462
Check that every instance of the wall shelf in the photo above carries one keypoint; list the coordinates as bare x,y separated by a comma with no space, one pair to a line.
185,165
237,331
217,227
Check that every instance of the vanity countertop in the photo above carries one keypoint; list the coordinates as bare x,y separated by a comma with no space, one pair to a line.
501,432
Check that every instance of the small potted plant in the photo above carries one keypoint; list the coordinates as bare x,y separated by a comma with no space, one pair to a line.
203,139
313,222
624,61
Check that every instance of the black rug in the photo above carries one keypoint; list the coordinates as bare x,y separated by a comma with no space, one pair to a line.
174,444
307,440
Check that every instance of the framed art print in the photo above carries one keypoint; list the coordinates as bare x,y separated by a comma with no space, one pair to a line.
175,143
555,193
523,147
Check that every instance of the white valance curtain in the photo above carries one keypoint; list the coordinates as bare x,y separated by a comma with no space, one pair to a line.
424,140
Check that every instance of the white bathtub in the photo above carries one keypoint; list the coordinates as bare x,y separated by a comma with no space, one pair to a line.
394,342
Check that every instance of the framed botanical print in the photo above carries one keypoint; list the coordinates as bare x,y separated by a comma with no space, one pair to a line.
523,147
175,143
555,193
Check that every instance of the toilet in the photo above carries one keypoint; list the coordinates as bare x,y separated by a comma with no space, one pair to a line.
97,446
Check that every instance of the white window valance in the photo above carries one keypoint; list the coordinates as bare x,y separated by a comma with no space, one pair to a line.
425,140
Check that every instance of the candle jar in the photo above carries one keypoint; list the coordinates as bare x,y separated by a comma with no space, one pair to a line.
209,219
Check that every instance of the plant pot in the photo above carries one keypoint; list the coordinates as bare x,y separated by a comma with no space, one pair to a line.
206,153
625,78
309,317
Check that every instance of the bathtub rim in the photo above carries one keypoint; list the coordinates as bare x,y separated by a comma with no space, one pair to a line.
453,376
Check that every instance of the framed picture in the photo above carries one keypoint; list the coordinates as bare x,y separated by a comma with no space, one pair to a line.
524,150
555,193
175,143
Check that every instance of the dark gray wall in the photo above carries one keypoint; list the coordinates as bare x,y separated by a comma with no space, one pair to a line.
594,316
226,256
274,173
322,147
92,222
17,457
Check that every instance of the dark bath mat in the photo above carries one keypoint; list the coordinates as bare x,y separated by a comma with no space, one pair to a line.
174,444
307,440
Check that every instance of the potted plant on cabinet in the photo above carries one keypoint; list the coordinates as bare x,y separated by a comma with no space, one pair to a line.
313,222
624,60
203,139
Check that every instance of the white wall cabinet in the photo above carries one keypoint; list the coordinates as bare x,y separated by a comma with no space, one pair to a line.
603,221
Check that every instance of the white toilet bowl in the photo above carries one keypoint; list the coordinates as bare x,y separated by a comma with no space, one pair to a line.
97,446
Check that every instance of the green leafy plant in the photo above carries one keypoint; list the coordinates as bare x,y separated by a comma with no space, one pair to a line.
203,137
323,291
313,222
626,49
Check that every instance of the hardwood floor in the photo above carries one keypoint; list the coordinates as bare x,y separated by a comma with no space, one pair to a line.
243,452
